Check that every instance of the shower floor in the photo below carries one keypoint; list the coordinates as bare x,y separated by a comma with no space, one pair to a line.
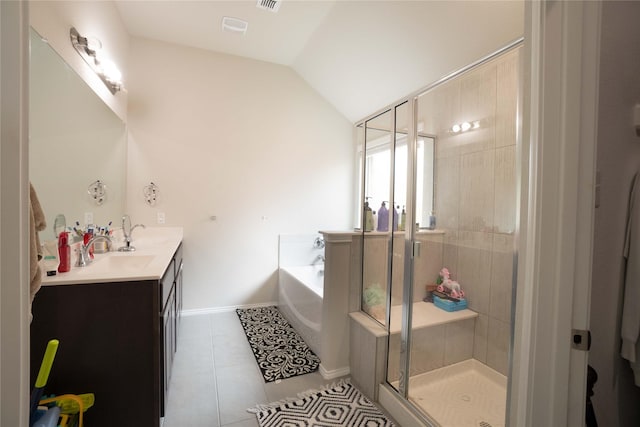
468,393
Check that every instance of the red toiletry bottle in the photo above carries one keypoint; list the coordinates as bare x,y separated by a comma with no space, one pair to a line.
85,239
64,252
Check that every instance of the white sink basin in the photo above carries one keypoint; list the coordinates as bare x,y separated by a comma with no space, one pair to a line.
116,264
129,262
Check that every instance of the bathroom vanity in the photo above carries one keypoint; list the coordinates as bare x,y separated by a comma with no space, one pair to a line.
117,323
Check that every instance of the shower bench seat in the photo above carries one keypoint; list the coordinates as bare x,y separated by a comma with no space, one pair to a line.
368,353
426,314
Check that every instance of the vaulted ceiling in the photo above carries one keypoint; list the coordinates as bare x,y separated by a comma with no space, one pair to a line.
359,55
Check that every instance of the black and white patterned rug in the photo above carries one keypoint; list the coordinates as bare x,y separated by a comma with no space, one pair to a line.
339,405
279,350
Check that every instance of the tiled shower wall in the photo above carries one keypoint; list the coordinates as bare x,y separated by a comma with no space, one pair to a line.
475,194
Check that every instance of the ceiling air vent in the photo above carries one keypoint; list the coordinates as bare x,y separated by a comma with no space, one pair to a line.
234,25
270,5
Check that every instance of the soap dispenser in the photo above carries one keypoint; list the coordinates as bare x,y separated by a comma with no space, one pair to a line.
383,217
395,219
368,216
432,220
403,219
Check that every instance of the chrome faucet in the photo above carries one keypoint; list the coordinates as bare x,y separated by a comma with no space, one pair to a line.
318,258
84,258
127,229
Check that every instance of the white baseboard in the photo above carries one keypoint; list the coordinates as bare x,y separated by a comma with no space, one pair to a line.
212,310
335,373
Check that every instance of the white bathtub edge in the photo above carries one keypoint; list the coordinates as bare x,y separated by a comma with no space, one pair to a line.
335,373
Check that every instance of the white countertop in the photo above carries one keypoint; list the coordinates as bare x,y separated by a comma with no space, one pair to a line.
155,247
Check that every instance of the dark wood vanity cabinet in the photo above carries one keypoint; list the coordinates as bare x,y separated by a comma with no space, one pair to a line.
171,304
117,340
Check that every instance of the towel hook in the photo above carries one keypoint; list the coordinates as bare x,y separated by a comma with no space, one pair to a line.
97,191
151,193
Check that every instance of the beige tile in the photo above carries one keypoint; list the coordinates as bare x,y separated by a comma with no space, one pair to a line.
393,366
506,107
501,277
498,345
355,283
381,362
375,264
397,270
477,191
431,110
186,407
427,349
474,268
447,192
458,341
365,358
441,112
427,264
291,387
251,422
231,350
450,250
505,190
478,103
239,387
225,323
480,338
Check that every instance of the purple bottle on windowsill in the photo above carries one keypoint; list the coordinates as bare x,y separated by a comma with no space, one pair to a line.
383,218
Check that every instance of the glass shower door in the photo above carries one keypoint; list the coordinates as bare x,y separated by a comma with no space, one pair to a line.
376,221
401,244
458,361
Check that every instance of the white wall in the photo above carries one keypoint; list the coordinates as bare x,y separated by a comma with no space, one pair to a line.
368,54
616,398
247,141
54,19
14,222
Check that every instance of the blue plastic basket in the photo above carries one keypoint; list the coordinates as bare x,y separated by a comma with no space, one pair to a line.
448,305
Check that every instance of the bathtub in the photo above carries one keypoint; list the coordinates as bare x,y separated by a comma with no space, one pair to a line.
300,293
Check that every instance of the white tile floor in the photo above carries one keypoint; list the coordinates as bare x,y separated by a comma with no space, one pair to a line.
215,376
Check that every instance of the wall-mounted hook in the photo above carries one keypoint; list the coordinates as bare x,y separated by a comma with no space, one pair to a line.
97,191
151,193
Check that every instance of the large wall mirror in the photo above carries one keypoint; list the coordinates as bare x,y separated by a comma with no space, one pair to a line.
75,139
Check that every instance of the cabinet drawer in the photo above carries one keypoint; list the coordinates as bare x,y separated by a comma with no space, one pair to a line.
167,284
177,261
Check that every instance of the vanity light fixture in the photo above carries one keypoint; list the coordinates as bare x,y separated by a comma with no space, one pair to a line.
90,49
465,126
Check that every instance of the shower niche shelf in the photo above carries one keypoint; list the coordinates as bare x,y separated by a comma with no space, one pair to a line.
426,314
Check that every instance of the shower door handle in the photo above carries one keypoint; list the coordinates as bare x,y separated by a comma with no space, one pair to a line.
416,249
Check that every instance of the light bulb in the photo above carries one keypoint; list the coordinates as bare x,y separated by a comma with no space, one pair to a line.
465,126
456,128
110,71
476,124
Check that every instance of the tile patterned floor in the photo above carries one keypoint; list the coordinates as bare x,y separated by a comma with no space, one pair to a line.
215,377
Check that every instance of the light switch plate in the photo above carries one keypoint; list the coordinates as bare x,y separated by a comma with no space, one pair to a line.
160,217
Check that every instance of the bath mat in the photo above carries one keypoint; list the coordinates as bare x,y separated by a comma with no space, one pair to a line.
279,350
339,405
